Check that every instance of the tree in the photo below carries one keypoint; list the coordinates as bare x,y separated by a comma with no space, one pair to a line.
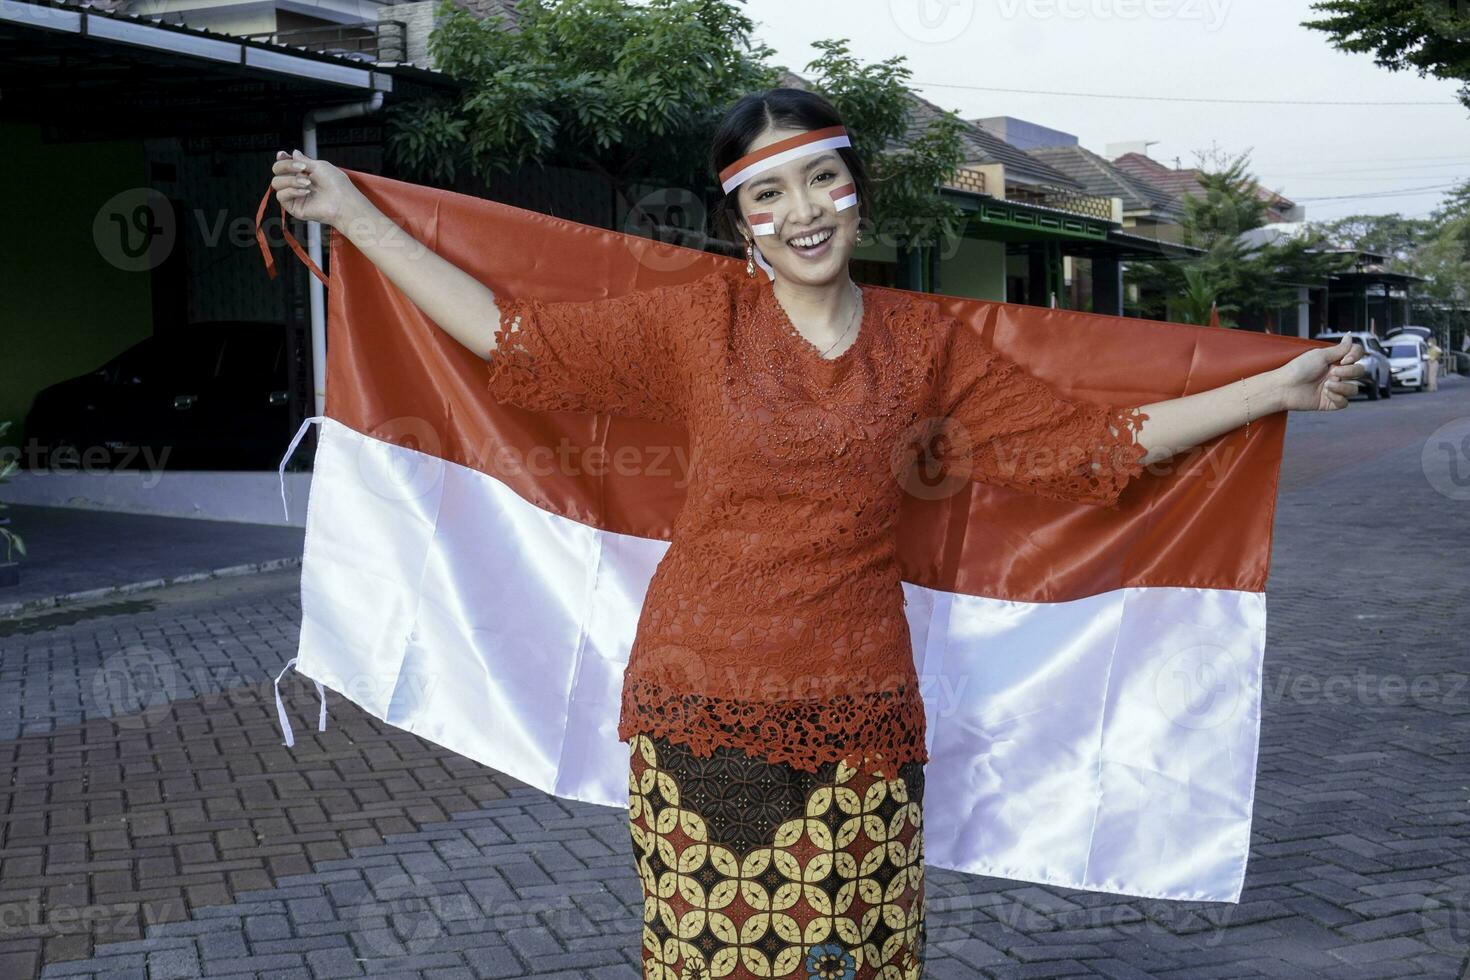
629,92
1239,270
1431,37
1198,298
1387,234
1436,248
875,103
1444,260
633,92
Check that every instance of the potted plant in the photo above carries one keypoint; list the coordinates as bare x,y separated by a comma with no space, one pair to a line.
9,568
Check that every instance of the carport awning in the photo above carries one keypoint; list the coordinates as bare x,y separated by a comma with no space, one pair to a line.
97,74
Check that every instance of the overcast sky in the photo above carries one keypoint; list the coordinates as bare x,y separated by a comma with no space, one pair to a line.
1192,49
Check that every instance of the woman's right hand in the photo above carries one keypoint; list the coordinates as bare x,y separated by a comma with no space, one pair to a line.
313,189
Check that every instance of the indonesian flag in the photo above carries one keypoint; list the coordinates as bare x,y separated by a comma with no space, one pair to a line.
473,572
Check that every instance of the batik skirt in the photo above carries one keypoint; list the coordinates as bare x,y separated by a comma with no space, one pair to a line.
758,869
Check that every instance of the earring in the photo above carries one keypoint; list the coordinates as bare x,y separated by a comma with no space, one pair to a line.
750,258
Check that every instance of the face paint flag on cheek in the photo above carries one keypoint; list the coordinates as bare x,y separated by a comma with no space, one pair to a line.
845,196
762,223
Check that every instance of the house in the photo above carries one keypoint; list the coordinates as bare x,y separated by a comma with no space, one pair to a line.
1181,182
161,130
1033,234
1369,295
1147,210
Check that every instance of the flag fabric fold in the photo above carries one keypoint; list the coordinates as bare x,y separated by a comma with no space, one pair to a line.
473,572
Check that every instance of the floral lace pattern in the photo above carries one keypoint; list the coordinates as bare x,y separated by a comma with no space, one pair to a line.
860,730
608,355
775,621
1018,431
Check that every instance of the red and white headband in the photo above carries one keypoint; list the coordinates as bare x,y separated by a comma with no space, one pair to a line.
776,154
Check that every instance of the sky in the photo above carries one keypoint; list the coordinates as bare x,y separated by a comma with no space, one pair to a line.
1323,156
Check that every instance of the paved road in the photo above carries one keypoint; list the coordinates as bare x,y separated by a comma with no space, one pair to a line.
155,827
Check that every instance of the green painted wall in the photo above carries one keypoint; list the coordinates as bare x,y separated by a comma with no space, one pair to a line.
65,308
977,270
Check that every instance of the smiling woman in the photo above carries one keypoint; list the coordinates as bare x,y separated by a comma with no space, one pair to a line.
793,181
770,700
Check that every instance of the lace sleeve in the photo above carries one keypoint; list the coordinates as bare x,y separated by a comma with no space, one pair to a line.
614,355
1018,431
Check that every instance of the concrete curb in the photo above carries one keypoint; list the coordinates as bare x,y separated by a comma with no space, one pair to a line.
11,609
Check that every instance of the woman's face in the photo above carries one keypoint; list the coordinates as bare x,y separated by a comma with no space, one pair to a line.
797,195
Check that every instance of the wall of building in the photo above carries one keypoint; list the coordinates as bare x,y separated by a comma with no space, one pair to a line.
977,270
419,20
71,302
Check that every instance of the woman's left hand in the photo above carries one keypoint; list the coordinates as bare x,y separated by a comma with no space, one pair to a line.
1321,379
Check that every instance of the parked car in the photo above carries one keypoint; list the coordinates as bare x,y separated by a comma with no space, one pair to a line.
209,395
1378,382
1424,332
1409,355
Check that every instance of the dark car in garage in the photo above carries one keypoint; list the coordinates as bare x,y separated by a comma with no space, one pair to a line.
207,395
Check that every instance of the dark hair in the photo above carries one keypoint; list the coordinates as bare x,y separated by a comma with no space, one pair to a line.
786,108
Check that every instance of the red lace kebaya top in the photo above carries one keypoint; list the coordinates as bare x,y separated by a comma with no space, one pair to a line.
775,621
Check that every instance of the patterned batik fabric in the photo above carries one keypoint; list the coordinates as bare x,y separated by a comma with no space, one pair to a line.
758,869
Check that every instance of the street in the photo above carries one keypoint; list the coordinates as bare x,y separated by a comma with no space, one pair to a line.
156,827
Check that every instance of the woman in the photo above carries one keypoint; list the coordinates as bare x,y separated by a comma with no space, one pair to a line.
770,700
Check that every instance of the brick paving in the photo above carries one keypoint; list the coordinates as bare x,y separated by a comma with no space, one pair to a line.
154,826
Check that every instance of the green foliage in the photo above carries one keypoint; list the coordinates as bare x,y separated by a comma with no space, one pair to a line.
875,105
1431,37
1437,248
1198,298
1387,234
634,93
1445,261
